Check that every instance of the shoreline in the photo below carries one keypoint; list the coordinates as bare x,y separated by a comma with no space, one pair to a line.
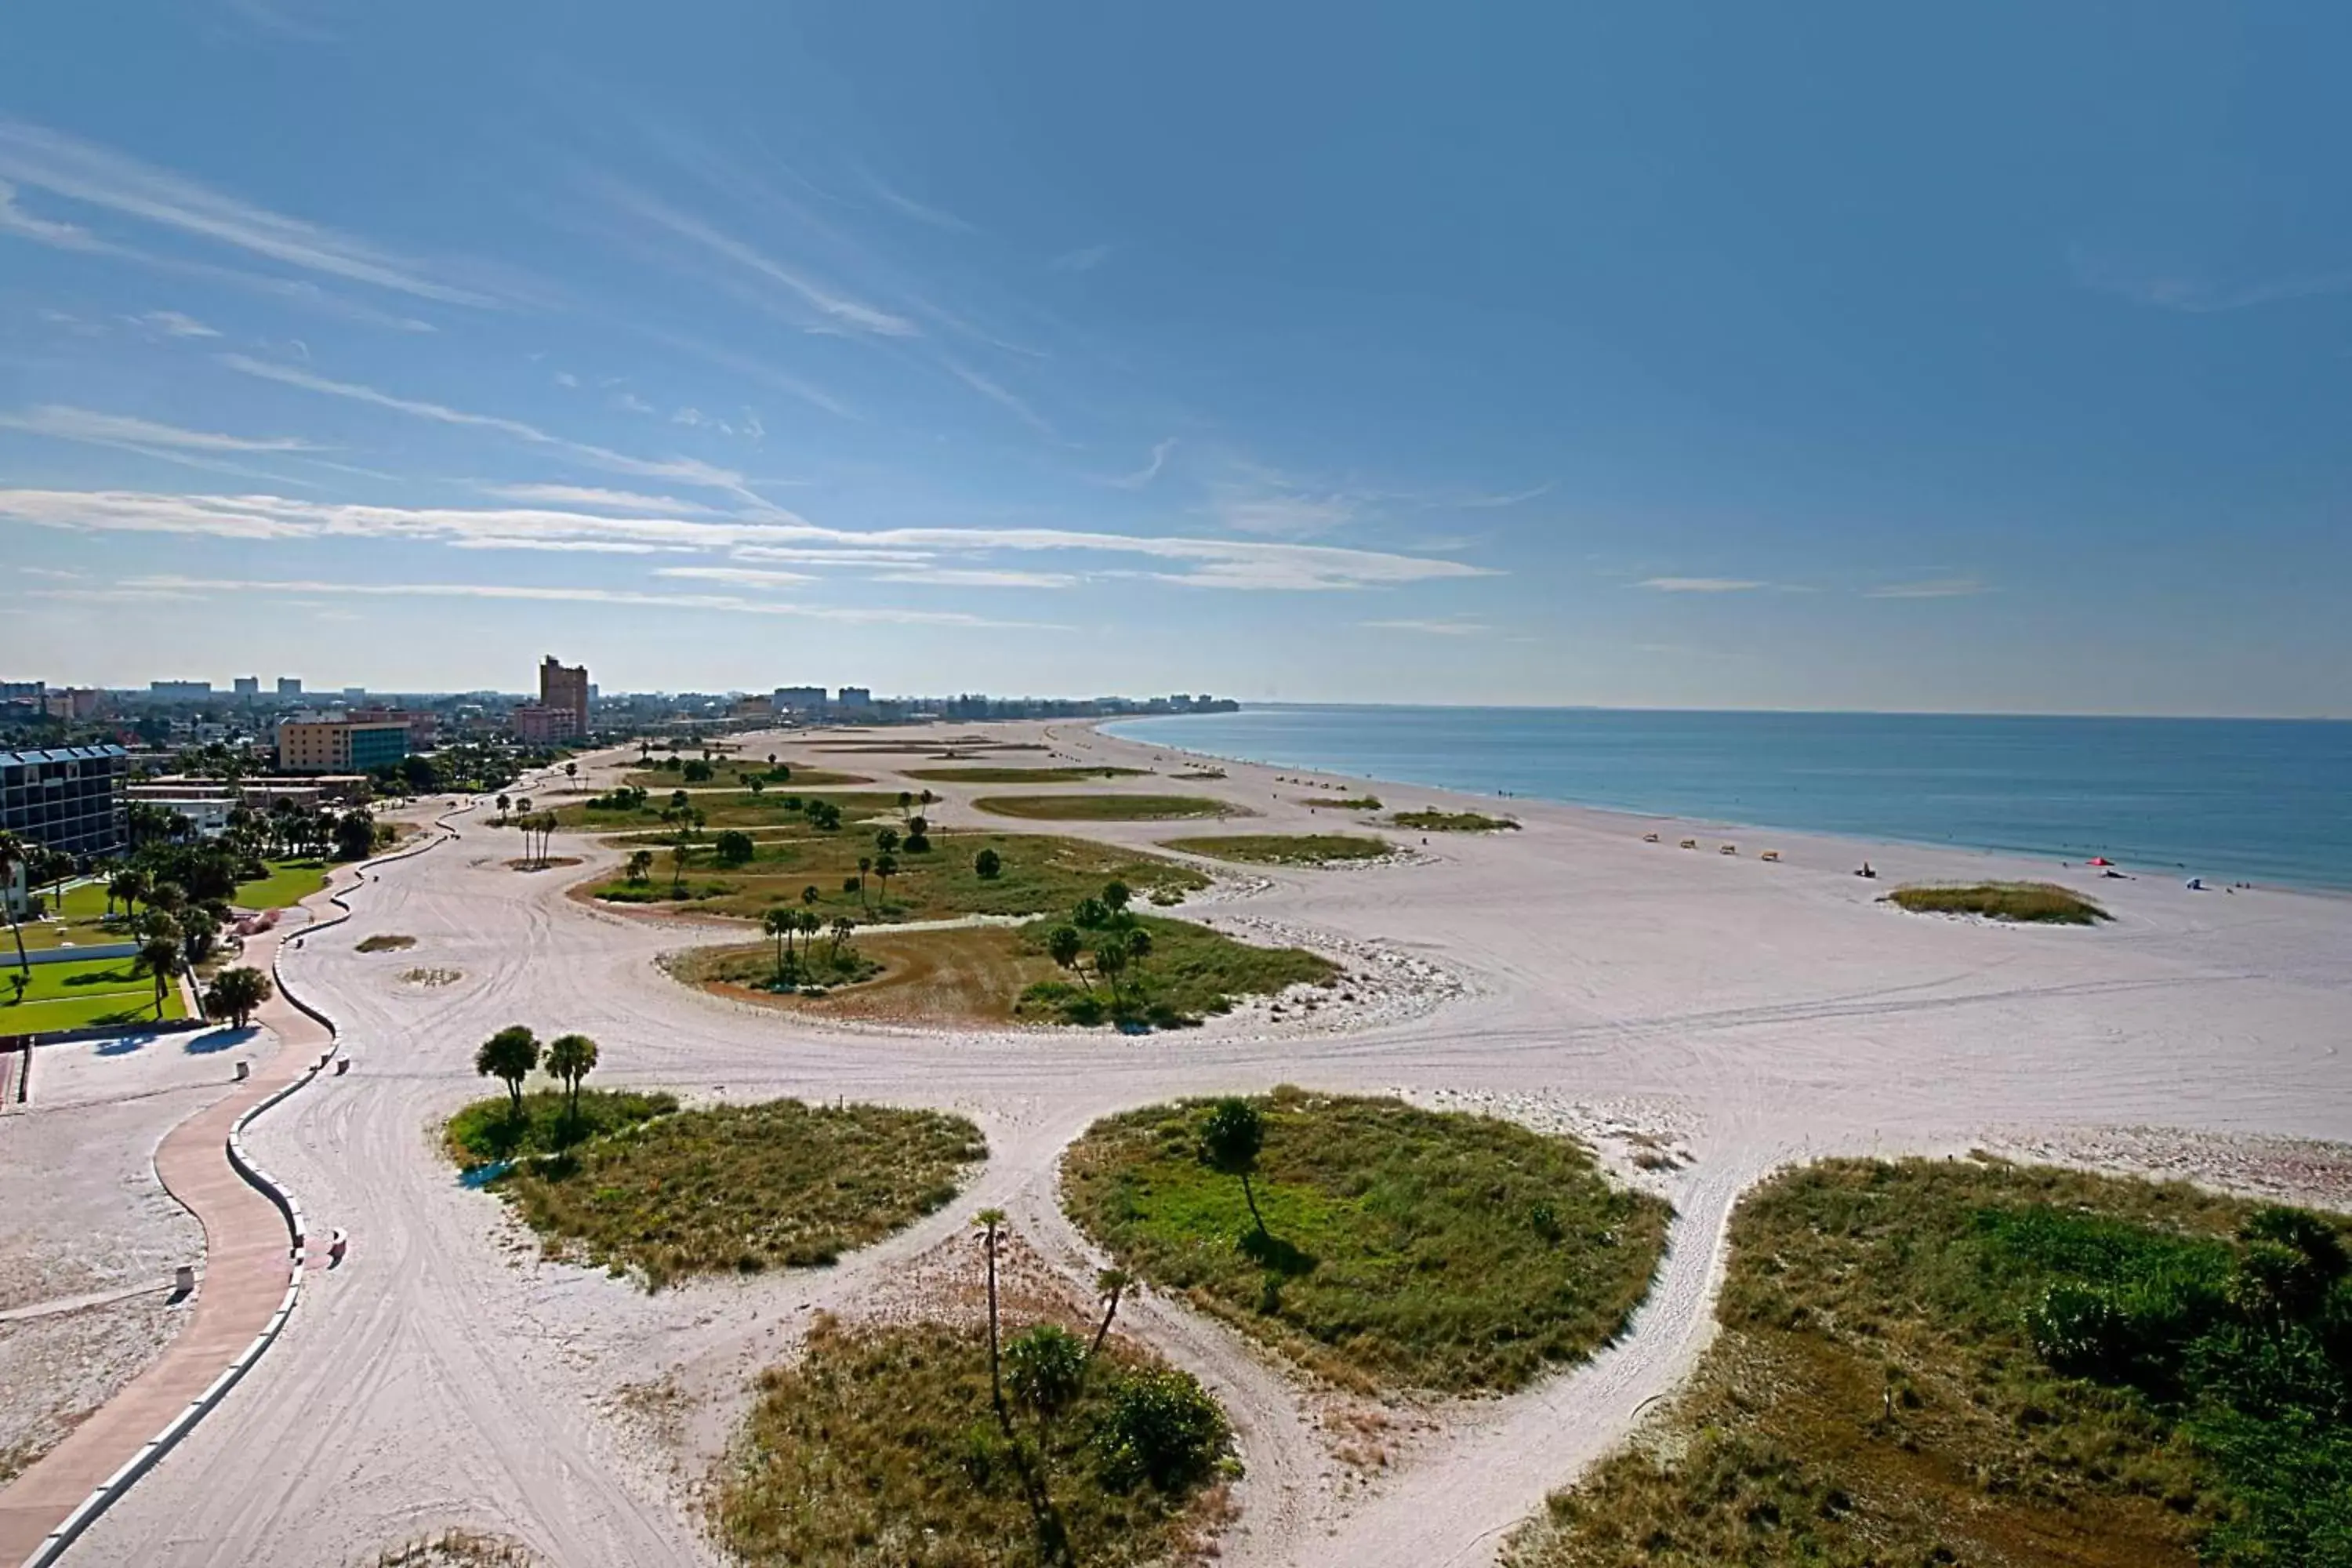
1865,844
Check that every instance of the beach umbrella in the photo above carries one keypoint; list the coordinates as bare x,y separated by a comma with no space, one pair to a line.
2098,860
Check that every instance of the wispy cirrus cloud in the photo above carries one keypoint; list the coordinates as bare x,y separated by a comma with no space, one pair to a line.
66,166
1000,396
836,310
905,206
1930,588
773,534
978,577
121,430
169,586
172,324
687,470
594,496
740,576
1149,471
1701,584
1438,628
2194,290
1081,260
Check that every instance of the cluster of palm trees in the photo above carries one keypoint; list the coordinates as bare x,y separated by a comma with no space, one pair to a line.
514,1053
783,922
1104,936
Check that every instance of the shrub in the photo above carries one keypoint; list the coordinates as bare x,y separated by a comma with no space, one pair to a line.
987,865
1162,1427
734,847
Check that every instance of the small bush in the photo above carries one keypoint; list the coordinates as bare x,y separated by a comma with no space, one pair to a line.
1454,822
2035,903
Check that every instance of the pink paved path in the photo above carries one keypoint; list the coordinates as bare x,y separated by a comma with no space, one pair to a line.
249,1261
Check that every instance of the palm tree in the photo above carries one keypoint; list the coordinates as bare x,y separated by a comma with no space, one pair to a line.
810,922
809,895
1230,1142
886,867
906,799
679,854
161,957
992,1222
12,856
1111,953
1111,1285
509,1055
864,864
1064,944
641,865
236,992
504,802
571,1057
129,885
780,922
841,926
572,770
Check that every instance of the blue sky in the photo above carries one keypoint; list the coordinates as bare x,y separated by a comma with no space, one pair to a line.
1848,356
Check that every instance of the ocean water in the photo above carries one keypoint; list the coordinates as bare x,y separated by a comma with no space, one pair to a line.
2258,800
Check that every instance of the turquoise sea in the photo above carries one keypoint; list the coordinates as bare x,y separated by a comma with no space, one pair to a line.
2258,800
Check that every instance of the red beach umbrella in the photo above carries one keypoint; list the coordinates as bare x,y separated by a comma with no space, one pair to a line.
2098,860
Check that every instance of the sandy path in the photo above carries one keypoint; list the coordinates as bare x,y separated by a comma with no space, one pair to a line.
1766,1012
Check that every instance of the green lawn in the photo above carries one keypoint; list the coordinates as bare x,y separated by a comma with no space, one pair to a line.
288,883
1105,807
1402,1248
1036,873
1285,848
80,995
81,920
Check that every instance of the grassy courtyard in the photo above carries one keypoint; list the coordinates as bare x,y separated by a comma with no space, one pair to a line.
1962,1362
83,995
289,882
1401,1248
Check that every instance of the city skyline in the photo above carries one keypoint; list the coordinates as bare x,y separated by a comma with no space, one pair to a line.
1550,362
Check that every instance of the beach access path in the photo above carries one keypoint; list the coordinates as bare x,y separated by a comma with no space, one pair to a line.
248,1261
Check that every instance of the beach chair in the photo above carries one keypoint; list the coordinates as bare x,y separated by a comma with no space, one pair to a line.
1690,843
1649,839
1769,855
1729,850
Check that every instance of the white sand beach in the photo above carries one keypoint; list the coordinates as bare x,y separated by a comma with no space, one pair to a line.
1745,1014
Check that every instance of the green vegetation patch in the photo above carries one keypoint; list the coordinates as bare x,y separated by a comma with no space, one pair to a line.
2037,904
880,1448
1454,822
801,963
739,1188
1105,807
288,883
488,1130
1032,873
783,807
1345,803
732,772
92,994
1971,1361
1183,974
1399,1248
979,775
385,942
1286,848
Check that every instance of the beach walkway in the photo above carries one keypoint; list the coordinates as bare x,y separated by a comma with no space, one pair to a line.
249,1261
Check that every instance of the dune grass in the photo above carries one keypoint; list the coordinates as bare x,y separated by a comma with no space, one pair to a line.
1402,1248
1192,972
977,776
383,943
1105,807
736,772
972,974
490,1130
878,1449
741,1188
1036,872
1285,848
2035,903
1453,822
780,806
1972,1361
1345,803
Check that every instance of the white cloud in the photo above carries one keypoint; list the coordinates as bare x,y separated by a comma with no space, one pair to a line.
167,586
15,220
1700,584
1252,564
1287,513
741,576
1151,470
687,470
824,557
1083,260
1442,628
590,495
1930,588
570,546
122,429
839,310
565,378
2194,291
84,171
172,324
999,395
908,206
978,577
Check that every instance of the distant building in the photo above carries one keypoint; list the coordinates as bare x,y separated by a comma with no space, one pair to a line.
68,799
179,690
343,745
753,708
856,697
290,686
22,690
354,693
537,724
423,728
248,685
565,686
801,699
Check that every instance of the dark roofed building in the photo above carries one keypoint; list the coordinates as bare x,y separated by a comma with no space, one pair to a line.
69,798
